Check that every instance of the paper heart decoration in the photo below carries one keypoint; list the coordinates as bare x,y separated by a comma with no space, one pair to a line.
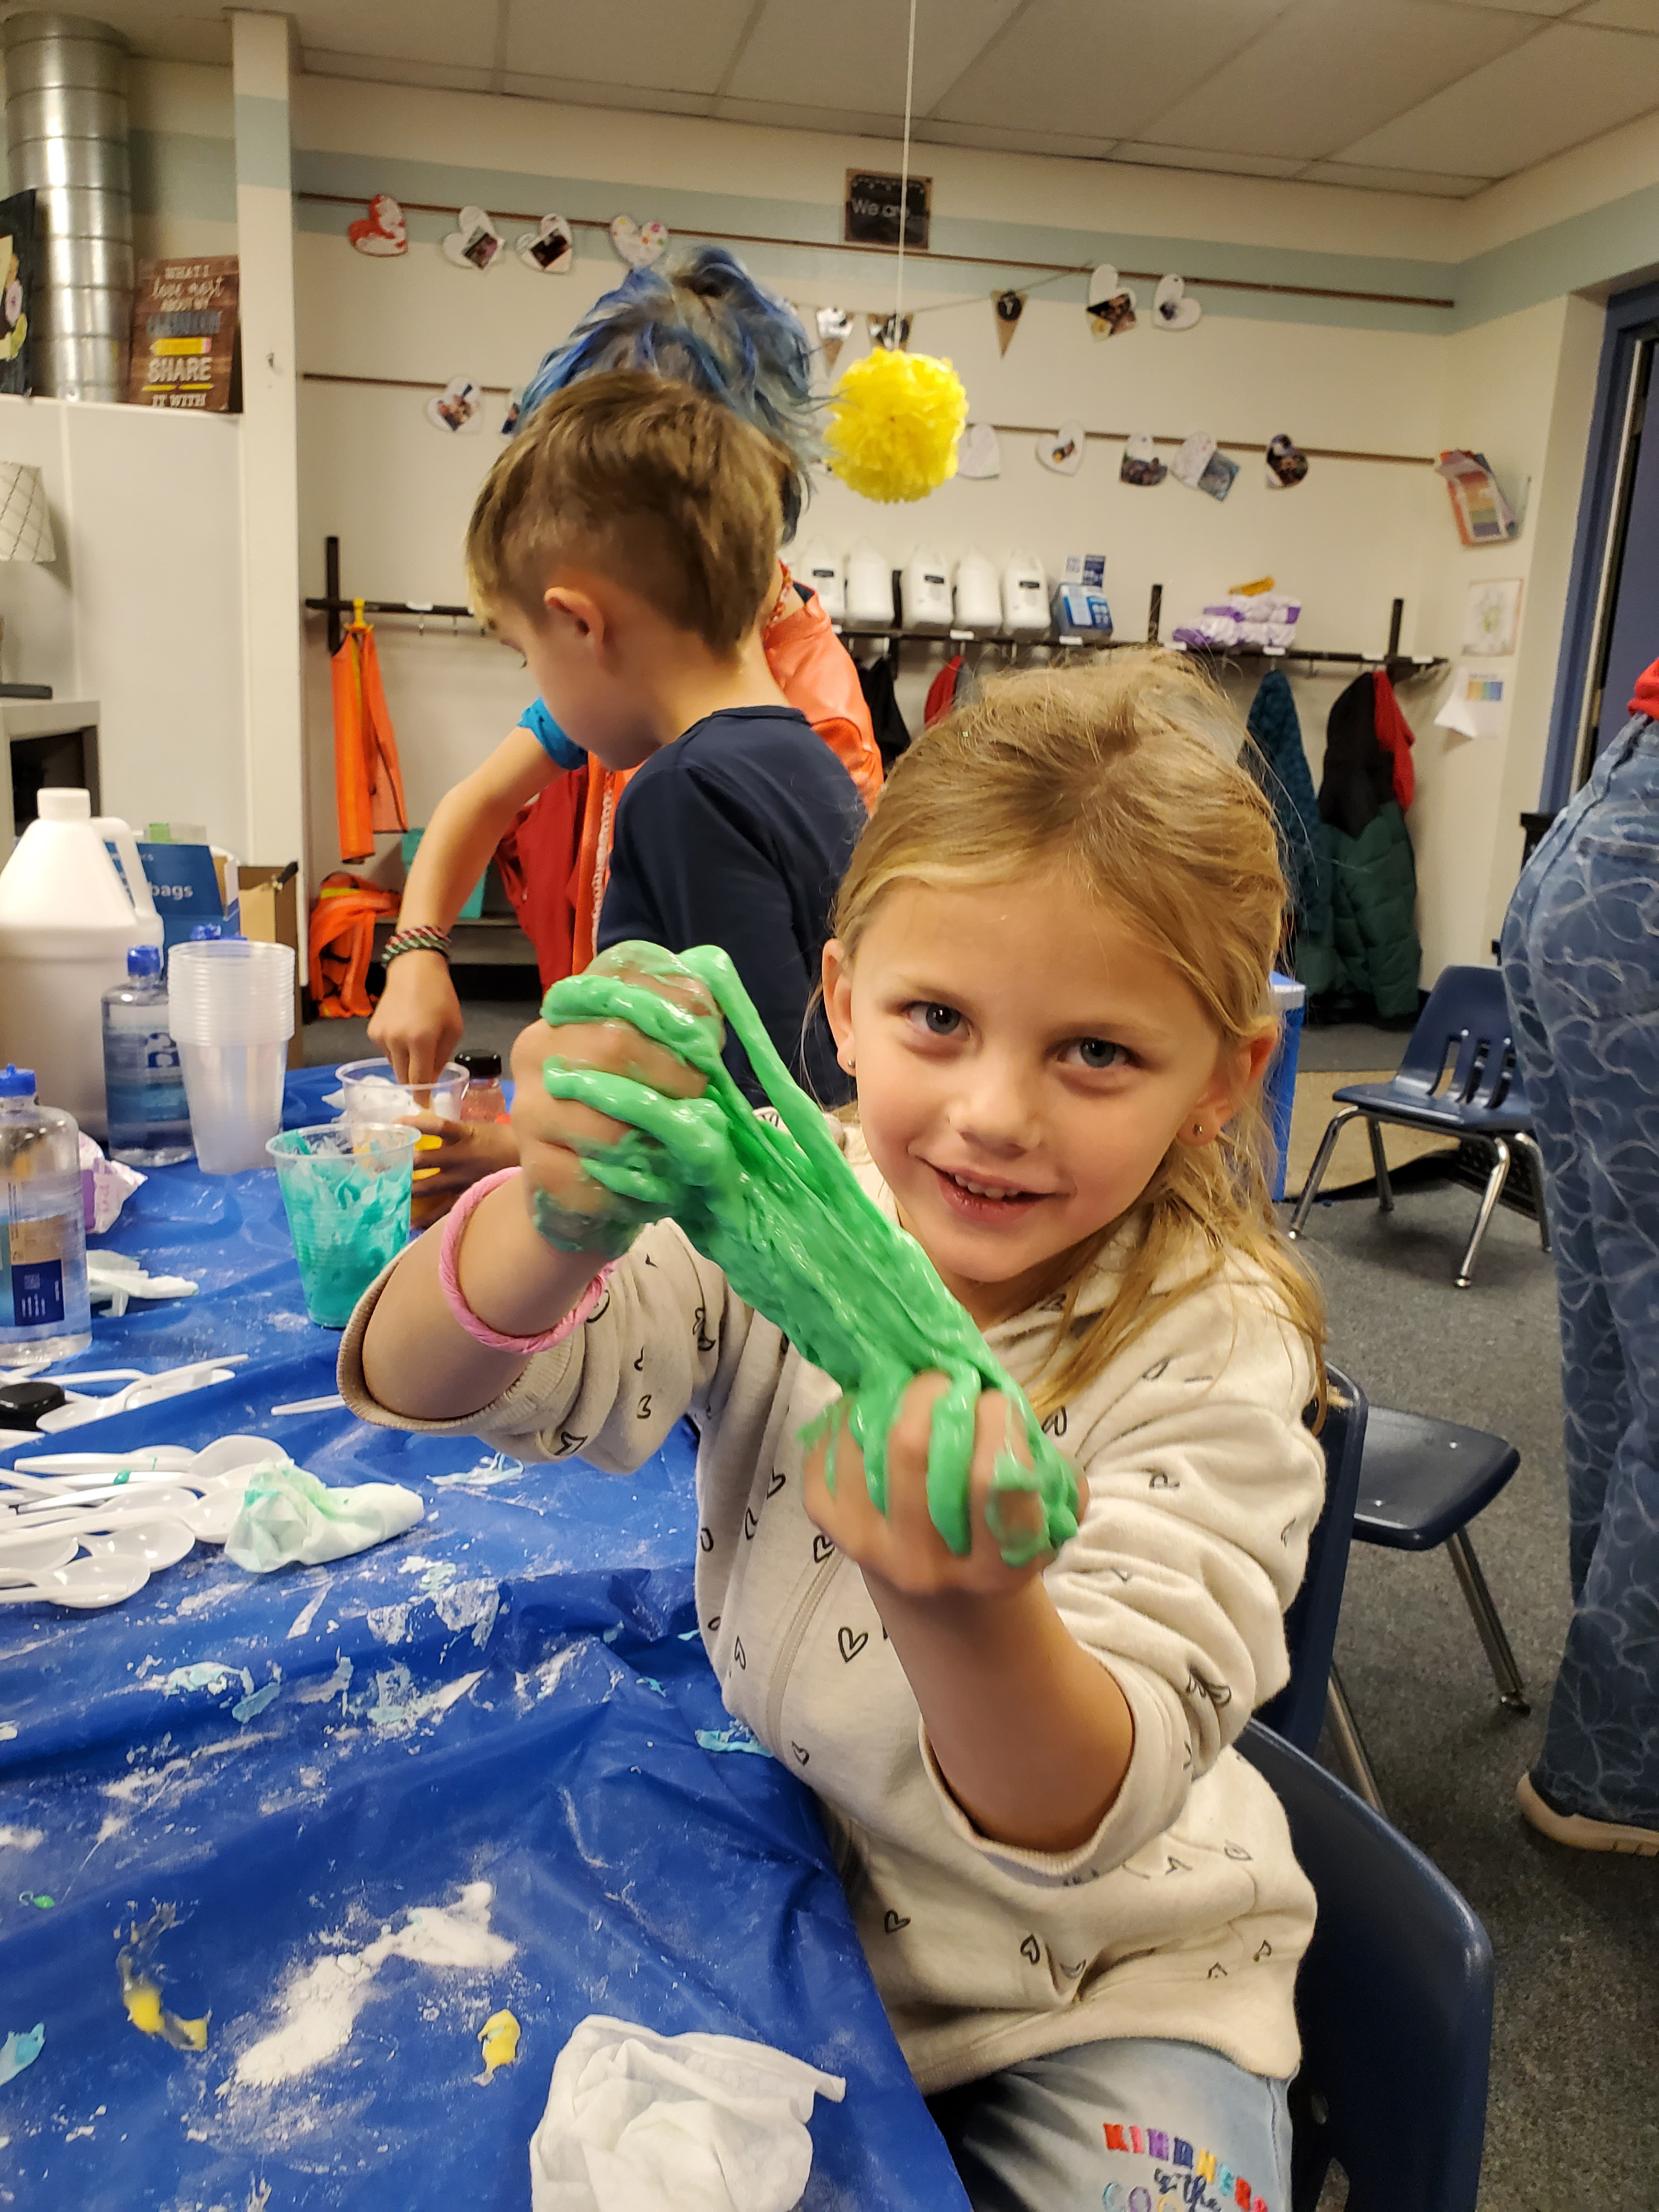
1063,452
1171,309
1195,457
548,247
514,408
639,244
979,454
1140,463
383,230
1286,463
458,408
835,328
475,241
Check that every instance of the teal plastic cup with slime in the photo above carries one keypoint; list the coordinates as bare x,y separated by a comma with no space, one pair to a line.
346,1193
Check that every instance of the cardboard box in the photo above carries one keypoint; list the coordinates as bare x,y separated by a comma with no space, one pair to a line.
269,903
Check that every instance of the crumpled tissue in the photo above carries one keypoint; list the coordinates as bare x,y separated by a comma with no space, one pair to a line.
288,1517
638,2121
105,1186
113,1278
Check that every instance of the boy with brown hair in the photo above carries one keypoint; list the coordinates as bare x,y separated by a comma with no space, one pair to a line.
624,544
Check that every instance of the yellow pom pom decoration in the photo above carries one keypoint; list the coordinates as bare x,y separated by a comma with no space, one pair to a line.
895,419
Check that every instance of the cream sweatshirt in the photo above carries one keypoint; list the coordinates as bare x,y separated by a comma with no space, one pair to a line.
1185,1914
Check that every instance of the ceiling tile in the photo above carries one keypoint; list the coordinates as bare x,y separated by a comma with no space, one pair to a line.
1075,66
1328,71
1206,160
186,31
462,31
1566,85
660,46
426,76
1520,6
1393,181
787,57
1622,15
648,100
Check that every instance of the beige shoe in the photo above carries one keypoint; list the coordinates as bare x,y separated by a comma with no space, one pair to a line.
1578,1831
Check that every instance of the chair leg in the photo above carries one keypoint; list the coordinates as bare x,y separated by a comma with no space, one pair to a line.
1379,1161
1350,1744
1528,1144
1317,1172
1511,1689
1495,1183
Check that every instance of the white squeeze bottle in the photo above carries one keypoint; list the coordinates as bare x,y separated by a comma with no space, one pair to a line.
44,1311
73,900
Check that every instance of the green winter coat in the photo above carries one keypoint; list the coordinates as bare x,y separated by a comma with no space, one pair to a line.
1370,947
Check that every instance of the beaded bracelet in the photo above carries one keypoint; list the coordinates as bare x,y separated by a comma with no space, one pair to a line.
418,939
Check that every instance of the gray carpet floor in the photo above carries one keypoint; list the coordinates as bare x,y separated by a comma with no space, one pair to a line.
1574,2114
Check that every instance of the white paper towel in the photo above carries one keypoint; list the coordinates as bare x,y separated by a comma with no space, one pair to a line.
638,2121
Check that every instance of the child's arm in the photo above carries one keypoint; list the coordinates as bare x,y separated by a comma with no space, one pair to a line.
417,1023
1068,1707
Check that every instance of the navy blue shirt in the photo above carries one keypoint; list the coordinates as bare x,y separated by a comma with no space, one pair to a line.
737,835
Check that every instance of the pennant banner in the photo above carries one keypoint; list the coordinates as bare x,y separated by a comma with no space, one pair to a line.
1008,307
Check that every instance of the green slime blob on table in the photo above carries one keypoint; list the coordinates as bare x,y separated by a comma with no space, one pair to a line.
782,1214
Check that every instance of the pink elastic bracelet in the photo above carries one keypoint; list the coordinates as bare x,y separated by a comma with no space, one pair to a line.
449,1279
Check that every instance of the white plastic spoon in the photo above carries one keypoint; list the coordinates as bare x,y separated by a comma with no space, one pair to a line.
162,1542
22,1558
82,1584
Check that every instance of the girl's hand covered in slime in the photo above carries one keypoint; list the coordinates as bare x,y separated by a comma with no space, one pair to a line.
782,1214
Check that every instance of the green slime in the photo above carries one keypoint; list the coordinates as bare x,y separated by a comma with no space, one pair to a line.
782,1214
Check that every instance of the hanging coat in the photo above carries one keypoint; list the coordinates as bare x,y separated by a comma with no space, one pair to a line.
1280,766
1371,951
368,783
892,733
341,940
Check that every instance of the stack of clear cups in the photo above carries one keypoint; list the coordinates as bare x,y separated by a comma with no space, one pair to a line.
230,1010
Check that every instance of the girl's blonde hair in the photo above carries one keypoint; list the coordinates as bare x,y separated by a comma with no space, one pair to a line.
1126,776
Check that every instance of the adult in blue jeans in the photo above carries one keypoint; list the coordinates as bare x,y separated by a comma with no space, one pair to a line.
1581,965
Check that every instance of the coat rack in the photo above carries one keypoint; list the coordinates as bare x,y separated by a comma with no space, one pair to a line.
336,607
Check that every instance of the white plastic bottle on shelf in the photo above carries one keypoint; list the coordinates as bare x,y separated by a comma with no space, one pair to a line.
978,594
1024,593
143,1080
926,589
869,587
820,569
73,902
44,1311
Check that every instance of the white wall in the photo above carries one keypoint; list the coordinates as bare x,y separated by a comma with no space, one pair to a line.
143,609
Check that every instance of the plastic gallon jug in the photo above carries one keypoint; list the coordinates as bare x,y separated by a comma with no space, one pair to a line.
1024,594
926,588
73,902
869,587
979,596
820,569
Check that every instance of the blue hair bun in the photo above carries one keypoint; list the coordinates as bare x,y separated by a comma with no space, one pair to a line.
706,323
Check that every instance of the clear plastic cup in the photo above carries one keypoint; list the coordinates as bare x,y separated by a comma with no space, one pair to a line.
230,1010
373,1093
346,1193
234,1093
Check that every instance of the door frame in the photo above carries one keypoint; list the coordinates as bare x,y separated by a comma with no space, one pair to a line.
1629,315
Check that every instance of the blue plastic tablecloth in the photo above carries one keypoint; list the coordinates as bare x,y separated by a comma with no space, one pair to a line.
512,1694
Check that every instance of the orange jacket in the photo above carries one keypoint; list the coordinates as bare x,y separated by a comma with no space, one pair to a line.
815,673
368,783
341,941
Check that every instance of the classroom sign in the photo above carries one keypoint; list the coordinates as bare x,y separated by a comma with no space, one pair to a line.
183,334
871,216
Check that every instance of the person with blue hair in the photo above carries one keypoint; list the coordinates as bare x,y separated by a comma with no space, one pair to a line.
539,806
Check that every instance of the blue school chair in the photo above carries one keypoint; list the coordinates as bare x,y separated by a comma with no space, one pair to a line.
1394,1999
1297,1710
1465,1023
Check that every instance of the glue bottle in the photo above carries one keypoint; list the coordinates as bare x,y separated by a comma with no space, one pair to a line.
45,1312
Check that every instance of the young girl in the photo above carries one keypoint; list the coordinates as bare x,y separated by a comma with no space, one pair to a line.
1049,977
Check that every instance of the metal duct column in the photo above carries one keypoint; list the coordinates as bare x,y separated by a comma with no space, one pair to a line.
66,134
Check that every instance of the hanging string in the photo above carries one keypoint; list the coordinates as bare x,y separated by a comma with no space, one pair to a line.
904,172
